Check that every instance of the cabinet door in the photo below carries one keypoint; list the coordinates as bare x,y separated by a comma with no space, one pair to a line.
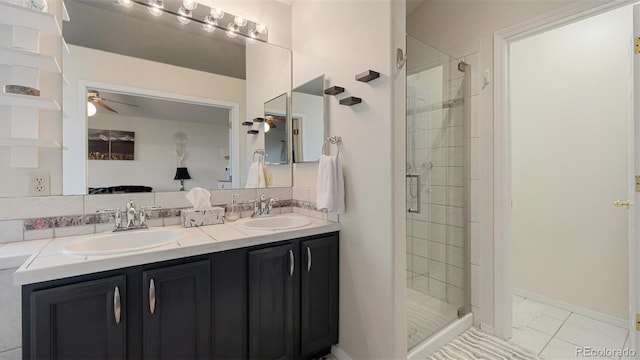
271,280
176,320
319,295
79,321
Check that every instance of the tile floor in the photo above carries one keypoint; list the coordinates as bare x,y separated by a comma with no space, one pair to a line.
555,333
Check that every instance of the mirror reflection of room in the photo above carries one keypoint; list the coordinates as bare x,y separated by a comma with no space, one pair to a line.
168,135
307,116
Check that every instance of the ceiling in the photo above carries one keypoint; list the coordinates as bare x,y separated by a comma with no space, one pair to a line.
161,109
107,26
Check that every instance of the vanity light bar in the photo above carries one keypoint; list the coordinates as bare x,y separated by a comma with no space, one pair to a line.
211,18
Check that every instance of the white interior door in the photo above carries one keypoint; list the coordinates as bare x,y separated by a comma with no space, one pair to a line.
634,167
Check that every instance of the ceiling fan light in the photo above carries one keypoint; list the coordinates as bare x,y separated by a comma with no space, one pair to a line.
189,4
91,109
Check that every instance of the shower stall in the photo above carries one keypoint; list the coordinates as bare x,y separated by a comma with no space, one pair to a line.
437,190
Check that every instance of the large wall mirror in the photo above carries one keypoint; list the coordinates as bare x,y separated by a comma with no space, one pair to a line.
163,78
308,123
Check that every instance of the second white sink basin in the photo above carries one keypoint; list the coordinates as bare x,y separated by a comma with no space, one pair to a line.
122,242
278,222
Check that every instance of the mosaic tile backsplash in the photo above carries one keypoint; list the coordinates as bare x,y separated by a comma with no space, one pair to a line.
57,216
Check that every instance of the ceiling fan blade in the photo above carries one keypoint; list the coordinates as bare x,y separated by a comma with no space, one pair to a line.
119,102
99,102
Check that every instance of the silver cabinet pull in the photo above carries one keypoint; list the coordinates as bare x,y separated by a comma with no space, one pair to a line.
292,264
308,259
418,208
152,296
116,305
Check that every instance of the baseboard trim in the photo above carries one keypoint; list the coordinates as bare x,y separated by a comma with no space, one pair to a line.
339,353
445,336
612,320
487,328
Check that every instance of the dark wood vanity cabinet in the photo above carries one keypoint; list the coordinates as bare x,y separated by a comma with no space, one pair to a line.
275,301
79,321
176,314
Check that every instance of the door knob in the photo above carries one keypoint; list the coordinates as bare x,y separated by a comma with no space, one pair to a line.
619,203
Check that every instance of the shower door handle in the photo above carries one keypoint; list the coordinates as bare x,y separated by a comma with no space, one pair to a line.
418,208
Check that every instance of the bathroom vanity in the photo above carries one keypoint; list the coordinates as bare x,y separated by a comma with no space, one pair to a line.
256,294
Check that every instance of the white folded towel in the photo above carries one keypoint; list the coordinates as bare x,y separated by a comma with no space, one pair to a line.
255,177
330,185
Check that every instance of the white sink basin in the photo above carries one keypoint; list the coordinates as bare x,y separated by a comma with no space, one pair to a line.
122,242
279,222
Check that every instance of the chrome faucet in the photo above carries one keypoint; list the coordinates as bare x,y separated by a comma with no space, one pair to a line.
263,206
133,220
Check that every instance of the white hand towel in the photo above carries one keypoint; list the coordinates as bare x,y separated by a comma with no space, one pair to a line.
330,185
255,177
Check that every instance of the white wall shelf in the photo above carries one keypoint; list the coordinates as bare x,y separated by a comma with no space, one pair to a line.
40,143
20,16
10,56
29,101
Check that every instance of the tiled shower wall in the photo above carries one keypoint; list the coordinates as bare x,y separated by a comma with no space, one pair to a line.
436,150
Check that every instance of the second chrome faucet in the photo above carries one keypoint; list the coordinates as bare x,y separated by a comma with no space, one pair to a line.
133,219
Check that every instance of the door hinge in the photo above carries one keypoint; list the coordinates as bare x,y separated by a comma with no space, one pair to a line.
229,124
296,131
638,322
637,45
637,183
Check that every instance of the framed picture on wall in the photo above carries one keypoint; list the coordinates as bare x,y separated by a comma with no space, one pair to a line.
111,145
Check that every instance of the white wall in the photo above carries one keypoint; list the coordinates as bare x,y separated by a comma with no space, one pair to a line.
310,109
83,64
570,93
465,29
268,76
155,153
335,38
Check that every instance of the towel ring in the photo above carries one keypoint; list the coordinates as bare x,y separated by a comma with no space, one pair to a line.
261,153
335,140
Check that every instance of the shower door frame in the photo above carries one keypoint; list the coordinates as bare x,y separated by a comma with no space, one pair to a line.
502,242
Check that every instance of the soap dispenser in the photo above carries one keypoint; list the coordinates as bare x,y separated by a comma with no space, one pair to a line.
234,209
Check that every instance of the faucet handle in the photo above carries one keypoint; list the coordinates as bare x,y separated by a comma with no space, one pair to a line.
272,202
142,216
263,197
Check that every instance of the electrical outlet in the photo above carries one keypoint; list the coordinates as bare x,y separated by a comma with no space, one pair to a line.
39,183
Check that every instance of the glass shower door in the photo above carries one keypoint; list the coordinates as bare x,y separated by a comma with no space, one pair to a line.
437,188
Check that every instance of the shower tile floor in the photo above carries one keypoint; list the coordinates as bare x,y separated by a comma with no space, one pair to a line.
426,315
555,333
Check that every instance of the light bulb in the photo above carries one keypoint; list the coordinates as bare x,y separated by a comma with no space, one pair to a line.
91,109
240,21
208,27
261,28
126,3
254,34
232,30
185,15
266,127
216,13
155,7
190,4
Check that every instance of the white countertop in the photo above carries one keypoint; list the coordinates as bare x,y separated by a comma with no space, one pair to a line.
42,260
